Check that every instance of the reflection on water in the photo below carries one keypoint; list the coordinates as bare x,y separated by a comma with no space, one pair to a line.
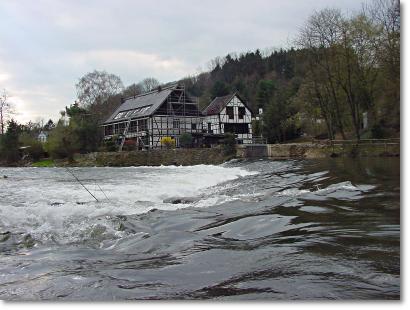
311,229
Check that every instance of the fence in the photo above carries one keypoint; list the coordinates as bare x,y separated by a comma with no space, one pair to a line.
255,140
392,141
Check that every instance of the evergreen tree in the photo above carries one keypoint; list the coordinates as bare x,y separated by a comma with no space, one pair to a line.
9,143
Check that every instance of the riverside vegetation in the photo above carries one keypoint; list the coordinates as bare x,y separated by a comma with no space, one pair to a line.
341,73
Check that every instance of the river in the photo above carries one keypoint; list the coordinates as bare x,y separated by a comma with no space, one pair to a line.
276,230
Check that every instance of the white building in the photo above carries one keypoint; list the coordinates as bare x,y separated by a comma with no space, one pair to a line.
145,119
229,114
42,137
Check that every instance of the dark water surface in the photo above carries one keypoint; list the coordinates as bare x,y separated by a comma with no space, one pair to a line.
310,229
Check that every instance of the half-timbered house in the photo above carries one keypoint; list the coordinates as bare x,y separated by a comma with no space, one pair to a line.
229,114
147,118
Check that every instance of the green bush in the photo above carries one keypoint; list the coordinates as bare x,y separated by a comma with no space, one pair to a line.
185,140
62,142
9,143
109,145
378,132
35,148
229,144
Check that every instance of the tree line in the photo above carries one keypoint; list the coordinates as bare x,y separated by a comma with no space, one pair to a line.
341,70
78,130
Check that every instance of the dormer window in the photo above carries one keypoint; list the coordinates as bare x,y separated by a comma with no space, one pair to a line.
119,115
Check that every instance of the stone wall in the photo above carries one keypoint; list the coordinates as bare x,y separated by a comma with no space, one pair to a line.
215,156
317,150
156,157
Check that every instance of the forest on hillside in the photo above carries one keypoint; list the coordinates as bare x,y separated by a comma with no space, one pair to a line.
341,70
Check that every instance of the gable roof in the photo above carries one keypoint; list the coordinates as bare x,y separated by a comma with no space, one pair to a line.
217,105
152,99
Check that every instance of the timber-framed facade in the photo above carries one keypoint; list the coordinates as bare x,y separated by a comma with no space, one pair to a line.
229,114
144,120
147,118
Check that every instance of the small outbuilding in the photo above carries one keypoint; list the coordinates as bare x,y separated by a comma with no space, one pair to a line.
42,136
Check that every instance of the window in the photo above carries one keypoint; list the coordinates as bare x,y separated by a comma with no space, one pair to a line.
241,112
236,128
121,128
119,115
144,109
116,129
142,125
108,130
193,126
229,112
127,114
210,128
175,123
133,126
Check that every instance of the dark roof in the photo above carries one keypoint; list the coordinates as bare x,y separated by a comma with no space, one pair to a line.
153,99
217,105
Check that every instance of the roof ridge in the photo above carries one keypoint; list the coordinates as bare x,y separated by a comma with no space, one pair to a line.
228,95
152,92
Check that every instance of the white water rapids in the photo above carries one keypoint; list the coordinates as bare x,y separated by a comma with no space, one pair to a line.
243,230
52,206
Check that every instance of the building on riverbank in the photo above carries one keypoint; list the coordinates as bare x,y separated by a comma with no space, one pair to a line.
145,119
229,114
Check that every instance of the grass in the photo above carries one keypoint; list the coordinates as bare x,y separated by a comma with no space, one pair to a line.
44,163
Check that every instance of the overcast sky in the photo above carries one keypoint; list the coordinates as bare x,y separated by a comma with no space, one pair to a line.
47,45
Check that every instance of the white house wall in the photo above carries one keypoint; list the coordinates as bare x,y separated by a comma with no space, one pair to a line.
217,121
159,126
172,126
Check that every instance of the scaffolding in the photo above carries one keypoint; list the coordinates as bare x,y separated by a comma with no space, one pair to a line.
178,114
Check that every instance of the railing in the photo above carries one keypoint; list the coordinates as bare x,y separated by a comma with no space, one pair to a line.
254,140
392,141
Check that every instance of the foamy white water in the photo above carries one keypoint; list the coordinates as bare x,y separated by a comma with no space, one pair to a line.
51,205
243,236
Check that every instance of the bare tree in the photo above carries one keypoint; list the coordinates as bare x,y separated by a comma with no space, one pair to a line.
149,84
96,87
5,110
132,90
320,37
386,14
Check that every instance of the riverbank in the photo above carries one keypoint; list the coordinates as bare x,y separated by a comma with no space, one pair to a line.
319,150
216,156
156,157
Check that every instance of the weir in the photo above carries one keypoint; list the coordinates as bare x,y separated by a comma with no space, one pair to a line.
323,149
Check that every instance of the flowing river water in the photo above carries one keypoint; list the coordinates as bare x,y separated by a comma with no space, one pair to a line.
293,229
